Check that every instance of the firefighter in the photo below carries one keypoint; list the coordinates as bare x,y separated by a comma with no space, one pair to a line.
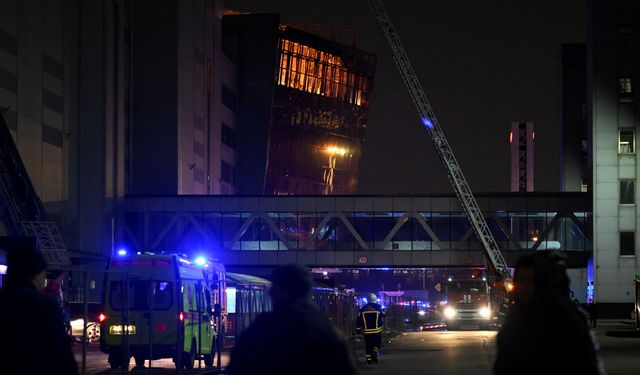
371,324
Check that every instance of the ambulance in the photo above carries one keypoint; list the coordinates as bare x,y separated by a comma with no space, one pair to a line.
162,306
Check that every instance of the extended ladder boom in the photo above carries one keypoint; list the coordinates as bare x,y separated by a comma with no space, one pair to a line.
428,117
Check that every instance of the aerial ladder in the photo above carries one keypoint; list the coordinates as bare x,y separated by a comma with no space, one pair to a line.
21,210
495,261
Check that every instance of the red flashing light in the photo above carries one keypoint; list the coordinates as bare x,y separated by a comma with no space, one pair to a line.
181,316
510,137
161,327
533,135
102,317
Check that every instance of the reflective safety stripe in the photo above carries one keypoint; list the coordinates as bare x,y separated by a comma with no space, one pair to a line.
371,317
376,330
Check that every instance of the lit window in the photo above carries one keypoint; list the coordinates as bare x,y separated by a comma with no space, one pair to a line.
626,89
317,72
584,186
626,141
627,192
627,243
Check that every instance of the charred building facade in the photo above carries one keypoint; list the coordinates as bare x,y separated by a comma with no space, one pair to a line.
302,108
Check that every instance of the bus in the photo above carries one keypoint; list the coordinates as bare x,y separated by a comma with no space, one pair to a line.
162,306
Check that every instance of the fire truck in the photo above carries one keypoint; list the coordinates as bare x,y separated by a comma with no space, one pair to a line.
468,304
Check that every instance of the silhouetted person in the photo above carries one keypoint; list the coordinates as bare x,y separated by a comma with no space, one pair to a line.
293,339
371,324
53,290
592,310
544,331
33,337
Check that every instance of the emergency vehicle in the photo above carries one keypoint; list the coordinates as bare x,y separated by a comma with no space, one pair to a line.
468,303
162,306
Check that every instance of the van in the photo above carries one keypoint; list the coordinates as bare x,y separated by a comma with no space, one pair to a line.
161,306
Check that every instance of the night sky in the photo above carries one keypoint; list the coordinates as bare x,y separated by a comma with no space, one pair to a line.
482,65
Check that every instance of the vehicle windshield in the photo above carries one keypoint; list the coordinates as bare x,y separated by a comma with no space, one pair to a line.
467,286
136,297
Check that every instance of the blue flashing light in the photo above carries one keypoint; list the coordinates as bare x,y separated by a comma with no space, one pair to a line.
427,122
122,252
365,300
200,261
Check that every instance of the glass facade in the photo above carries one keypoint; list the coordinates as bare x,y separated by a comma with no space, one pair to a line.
319,115
308,69
410,229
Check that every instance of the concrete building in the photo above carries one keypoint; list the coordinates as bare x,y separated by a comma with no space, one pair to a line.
62,92
33,83
302,107
175,140
614,72
88,133
521,138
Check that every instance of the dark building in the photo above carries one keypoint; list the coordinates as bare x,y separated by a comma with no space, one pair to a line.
302,107
108,99
175,141
575,135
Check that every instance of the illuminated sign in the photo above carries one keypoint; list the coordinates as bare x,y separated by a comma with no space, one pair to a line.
231,300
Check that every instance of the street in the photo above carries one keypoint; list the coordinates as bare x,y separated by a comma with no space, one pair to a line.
437,352
441,352
473,352
97,364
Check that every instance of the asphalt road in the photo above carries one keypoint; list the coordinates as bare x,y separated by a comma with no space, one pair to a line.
473,352
97,364
435,352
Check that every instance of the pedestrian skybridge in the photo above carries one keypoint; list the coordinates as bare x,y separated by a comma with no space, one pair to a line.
362,231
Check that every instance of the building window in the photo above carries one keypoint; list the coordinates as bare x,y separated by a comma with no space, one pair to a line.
228,136
308,69
626,89
584,185
227,173
627,243
626,141
627,192
229,98
625,38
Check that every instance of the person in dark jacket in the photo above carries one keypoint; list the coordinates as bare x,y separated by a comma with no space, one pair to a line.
293,339
370,323
592,310
33,330
544,331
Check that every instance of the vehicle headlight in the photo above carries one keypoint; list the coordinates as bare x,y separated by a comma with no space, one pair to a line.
449,312
485,313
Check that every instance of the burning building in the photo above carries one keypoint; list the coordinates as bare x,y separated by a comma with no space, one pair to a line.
301,107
